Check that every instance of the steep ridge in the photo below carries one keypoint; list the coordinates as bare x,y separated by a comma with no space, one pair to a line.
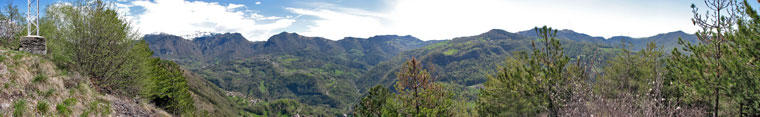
312,70
466,60
666,40
333,74
568,34
34,81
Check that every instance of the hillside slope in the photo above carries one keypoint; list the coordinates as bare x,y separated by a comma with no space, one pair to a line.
667,40
333,74
467,60
34,86
312,70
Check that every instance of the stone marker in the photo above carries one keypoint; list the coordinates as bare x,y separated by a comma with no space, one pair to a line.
33,44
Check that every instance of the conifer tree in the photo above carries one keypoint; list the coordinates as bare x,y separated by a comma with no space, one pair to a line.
418,93
534,80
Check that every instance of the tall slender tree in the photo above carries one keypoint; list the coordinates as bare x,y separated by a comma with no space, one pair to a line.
418,91
715,25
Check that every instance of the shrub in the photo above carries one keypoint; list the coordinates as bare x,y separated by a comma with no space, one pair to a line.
92,37
168,88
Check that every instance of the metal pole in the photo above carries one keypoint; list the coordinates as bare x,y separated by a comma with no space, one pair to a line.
28,17
37,24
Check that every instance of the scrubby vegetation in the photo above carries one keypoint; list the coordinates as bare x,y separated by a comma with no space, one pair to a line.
42,107
89,38
96,64
715,76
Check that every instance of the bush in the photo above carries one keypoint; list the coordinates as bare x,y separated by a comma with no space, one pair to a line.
92,38
168,89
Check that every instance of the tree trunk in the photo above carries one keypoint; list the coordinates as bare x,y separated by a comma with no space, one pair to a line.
717,101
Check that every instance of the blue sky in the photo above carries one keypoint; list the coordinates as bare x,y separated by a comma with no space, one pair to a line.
425,19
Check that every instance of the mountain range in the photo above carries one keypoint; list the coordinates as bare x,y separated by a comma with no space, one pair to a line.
335,73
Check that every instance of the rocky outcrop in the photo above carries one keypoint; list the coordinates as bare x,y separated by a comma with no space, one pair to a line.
33,44
124,107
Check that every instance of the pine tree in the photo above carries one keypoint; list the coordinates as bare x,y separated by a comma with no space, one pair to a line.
511,92
745,51
719,72
379,103
536,81
418,93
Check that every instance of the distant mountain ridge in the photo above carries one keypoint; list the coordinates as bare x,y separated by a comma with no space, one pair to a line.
666,40
314,70
334,73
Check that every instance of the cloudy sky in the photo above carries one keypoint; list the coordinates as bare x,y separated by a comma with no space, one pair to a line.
425,19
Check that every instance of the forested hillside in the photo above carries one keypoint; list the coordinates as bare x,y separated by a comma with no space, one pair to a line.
312,70
333,74
95,63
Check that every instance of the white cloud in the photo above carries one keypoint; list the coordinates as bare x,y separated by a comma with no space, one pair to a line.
446,19
258,3
336,25
234,6
181,17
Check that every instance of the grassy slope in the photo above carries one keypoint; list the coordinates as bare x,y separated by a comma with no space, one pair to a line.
28,80
35,79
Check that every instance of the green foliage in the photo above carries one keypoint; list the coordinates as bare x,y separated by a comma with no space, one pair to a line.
40,78
622,79
418,94
744,64
720,73
436,45
46,93
379,103
42,107
289,60
11,30
98,108
450,52
168,88
136,69
17,56
2,58
93,37
64,108
70,101
286,107
533,83
513,84
19,107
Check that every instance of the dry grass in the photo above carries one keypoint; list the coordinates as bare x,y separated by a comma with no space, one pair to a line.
35,79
